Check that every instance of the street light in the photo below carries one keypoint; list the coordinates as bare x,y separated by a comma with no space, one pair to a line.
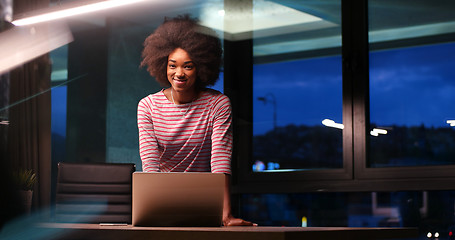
270,97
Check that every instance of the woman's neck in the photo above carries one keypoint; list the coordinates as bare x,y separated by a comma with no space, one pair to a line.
183,97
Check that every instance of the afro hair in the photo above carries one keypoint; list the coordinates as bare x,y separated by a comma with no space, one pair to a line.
201,43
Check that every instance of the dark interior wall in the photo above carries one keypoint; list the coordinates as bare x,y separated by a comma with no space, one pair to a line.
105,85
127,84
86,99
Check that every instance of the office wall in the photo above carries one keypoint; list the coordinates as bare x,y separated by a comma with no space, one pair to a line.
86,104
127,84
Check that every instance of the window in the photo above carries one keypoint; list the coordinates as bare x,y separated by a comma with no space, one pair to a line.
411,84
398,37
292,101
411,93
297,89
407,57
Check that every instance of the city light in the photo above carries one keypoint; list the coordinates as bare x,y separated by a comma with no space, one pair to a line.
376,131
331,123
451,123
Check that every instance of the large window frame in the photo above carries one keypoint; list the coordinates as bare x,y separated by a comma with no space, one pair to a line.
355,175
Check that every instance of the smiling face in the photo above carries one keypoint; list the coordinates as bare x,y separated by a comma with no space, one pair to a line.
181,72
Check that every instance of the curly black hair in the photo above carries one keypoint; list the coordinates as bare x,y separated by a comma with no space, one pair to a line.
201,43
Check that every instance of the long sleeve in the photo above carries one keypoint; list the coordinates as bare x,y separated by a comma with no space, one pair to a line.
222,136
148,146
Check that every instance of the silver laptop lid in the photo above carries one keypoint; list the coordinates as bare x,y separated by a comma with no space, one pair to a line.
177,199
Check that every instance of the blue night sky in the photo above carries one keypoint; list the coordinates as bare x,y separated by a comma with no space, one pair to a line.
306,92
413,86
408,86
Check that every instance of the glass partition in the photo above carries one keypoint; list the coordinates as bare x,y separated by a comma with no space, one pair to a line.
78,102
95,83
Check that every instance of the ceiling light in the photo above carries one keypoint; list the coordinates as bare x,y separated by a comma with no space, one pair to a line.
73,11
264,18
22,44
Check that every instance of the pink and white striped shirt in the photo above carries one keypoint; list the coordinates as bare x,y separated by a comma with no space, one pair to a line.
192,137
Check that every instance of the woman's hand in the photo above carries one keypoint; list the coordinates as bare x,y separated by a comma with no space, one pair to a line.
229,221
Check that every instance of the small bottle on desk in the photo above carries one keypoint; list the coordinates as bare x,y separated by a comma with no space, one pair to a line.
304,222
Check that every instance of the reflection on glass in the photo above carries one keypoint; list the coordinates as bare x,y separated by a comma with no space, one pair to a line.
429,211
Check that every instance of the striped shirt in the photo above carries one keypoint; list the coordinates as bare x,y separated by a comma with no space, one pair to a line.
192,137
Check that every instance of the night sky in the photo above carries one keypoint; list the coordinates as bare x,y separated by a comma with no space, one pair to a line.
408,87
413,86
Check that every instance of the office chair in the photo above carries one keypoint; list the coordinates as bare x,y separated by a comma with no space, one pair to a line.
94,192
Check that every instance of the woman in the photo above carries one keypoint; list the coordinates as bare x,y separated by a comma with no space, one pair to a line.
186,127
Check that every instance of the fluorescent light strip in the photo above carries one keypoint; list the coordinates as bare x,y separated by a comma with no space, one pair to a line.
73,11
21,44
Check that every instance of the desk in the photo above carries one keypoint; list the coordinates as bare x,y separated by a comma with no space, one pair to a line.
95,232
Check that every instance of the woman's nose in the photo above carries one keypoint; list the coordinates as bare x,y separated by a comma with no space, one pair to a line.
179,72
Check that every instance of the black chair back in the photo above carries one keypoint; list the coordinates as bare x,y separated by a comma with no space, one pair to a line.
94,192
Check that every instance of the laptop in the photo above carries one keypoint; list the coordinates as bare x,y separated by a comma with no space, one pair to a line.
177,199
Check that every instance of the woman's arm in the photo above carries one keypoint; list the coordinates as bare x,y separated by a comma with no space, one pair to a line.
221,135
221,156
148,147
228,219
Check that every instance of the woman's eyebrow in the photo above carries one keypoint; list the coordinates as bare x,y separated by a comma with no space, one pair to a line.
172,60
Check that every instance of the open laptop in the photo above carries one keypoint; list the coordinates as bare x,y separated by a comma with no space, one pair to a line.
177,199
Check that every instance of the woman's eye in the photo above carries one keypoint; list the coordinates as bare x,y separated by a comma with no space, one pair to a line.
171,66
189,67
